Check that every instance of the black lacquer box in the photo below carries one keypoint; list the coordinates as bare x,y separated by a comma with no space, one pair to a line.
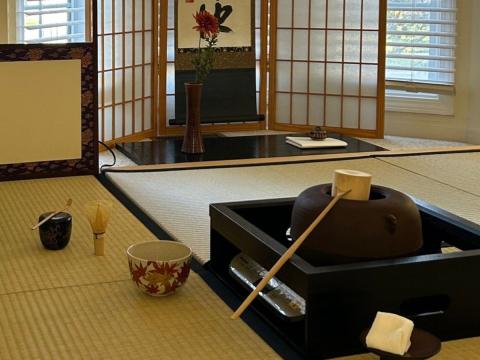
439,292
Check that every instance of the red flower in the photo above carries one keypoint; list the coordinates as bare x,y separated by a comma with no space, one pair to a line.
152,288
207,24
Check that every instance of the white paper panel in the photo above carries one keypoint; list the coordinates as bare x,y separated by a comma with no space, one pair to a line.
118,51
138,49
170,78
352,46
300,70
333,108
351,79
334,45
299,107
148,48
107,20
301,14
318,19
335,14
283,75
118,120
148,12
353,14
370,13
284,43
108,124
170,107
317,78
128,50
128,19
108,88
128,119
138,115
108,52
148,78
350,112
284,17
368,114
300,44
170,45
369,80
148,113
370,47
316,103
118,16
138,84
100,128
138,14
283,108
128,84
334,77
317,45
118,86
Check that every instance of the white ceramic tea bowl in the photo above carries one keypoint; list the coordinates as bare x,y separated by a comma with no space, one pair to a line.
157,267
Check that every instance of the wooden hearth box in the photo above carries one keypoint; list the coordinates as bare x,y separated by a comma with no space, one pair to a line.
439,292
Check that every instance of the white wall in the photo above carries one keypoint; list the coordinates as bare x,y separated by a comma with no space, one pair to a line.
466,120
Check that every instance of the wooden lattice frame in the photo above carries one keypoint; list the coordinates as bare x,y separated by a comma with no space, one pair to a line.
380,98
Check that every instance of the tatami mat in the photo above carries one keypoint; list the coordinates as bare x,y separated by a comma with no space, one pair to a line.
179,200
116,321
26,265
71,304
461,171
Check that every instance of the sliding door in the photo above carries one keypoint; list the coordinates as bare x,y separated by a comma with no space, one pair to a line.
327,65
126,37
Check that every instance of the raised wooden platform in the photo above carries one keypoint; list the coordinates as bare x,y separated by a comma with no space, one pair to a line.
167,150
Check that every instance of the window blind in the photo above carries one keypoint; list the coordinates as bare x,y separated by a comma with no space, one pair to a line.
50,21
421,41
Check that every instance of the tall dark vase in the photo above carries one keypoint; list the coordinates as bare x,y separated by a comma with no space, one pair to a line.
192,139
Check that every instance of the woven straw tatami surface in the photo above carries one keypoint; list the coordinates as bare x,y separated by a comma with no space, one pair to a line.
70,304
187,202
26,265
458,170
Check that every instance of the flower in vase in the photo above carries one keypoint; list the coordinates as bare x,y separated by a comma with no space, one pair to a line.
208,28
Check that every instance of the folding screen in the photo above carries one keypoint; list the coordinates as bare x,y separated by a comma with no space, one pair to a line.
327,65
166,73
126,39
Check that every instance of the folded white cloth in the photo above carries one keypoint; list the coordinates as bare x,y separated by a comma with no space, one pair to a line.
390,333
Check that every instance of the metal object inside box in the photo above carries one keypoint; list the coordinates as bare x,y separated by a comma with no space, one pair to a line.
439,292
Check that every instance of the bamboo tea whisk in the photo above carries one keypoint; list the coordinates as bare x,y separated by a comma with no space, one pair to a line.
98,213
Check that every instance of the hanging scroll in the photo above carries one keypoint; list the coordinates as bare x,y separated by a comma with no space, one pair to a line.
229,93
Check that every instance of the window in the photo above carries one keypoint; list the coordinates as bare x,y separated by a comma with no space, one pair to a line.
420,63
50,21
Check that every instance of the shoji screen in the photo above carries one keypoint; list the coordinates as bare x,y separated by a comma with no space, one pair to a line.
125,42
166,83
327,65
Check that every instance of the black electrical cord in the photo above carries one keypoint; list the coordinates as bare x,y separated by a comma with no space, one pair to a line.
111,152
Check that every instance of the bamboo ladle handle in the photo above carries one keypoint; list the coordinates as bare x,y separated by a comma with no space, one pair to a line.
286,256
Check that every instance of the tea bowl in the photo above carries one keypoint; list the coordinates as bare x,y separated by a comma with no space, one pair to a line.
159,268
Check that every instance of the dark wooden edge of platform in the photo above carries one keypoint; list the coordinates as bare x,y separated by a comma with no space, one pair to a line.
250,317
219,164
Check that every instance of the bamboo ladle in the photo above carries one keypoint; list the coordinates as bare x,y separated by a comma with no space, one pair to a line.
357,184
67,205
